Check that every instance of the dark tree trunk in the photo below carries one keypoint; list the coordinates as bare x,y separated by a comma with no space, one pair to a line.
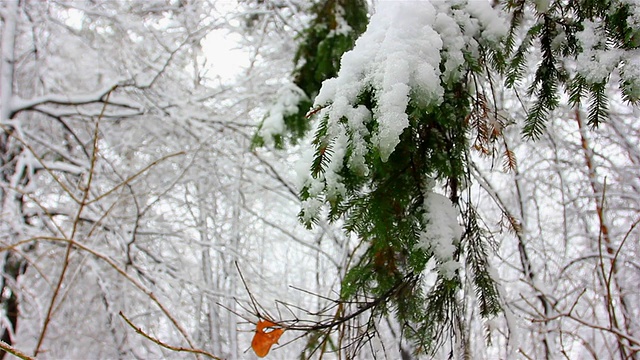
14,266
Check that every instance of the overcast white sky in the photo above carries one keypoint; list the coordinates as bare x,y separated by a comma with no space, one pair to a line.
224,57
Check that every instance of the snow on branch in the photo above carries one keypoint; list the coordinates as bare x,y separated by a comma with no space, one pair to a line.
406,57
398,58
18,104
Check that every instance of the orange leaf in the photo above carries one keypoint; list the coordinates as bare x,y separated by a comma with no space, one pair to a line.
266,335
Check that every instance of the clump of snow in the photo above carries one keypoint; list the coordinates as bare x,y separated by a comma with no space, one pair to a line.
442,232
634,12
398,51
302,166
310,209
493,26
333,183
453,43
357,118
289,96
314,186
587,37
397,60
597,61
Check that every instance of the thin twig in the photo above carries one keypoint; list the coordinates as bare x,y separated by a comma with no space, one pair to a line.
336,320
81,206
632,341
134,176
237,313
254,303
615,257
165,345
42,163
314,111
604,239
312,293
13,351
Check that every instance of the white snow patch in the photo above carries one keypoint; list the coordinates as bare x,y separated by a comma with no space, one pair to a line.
310,209
493,24
358,117
634,10
342,27
442,232
453,43
631,73
302,167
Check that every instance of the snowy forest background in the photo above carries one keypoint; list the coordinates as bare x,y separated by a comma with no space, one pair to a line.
134,195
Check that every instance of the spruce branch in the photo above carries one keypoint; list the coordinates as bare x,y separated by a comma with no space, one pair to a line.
599,104
557,30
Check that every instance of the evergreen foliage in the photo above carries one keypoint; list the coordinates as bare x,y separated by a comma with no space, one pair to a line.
333,31
386,210
581,43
